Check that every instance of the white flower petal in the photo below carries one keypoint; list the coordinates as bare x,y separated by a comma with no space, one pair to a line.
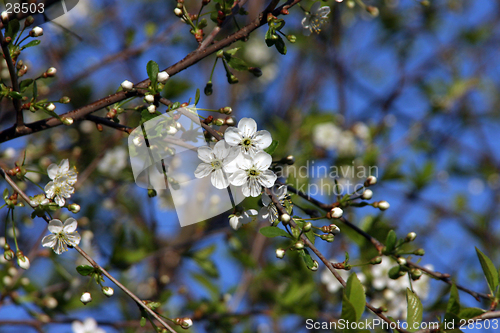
244,162
205,154
232,136
267,178
234,222
262,139
262,160
52,171
221,150
64,166
266,200
323,11
74,238
254,188
55,226
49,240
238,178
247,127
219,179
59,200
70,225
203,170
315,7
263,214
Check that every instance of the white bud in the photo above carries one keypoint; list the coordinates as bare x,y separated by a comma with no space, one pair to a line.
149,98
337,212
67,121
280,253
383,205
51,71
411,236
186,323
171,130
367,194
50,107
178,126
50,302
12,271
371,180
163,76
5,17
86,298
23,261
36,32
127,85
315,266
285,218
108,291
7,280
178,12
25,281
402,261
334,229
152,108
74,208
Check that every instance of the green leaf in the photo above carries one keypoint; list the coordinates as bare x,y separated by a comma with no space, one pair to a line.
12,29
85,270
145,116
15,95
153,69
414,311
306,257
356,294
348,313
30,44
272,147
143,321
280,45
5,194
197,97
207,284
204,253
454,301
490,272
468,313
24,84
390,241
237,64
274,232
232,51
35,90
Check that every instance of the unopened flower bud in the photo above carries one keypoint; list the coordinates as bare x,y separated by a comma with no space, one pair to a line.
29,21
178,12
74,208
290,159
410,237
367,194
67,121
5,17
415,274
315,266
330,238
383,205
208,89
232,79
402,261
8,254
162,77
86,298
230,121
36,32
152,108
64,100
227,110
22,260
334,229
108,291
307,227
376,261
50,107
372,10
171,130
149,98
370,180
152,193
280,253
127,85
419,252
257,72
336,212
218,122
186,323
285,218
51,72
291,38
299,245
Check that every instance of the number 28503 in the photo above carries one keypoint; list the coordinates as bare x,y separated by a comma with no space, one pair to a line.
17,8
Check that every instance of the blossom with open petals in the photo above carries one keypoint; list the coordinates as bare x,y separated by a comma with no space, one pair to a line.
269,211
63,179
247,137
59,191
214,163
238,219
62,172
252,172
89,325
62,235
315,18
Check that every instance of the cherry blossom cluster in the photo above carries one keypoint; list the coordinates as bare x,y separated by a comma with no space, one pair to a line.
61,187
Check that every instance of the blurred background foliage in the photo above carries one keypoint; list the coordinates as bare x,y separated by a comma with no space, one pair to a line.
413,92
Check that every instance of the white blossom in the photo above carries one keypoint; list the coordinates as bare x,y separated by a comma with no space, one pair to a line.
39,200
162,77
63,179
89,325
86,298
269,211
114,161
315,18
36,32
247,137
127,85
252,172
152,108
62,235
215,162
149,98
238,219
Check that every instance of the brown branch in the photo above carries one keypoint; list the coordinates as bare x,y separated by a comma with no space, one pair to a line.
191,59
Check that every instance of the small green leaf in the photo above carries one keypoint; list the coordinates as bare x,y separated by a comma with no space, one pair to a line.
390,241
272,147
30,44
5,194
24,84
356,294
490,272
468,313
232,51
145,116
197,97
454,301
35,90
274,232
237,64
12,29
280,45
143,321
85,270
153,69
15,95
415,311
348,313
306,257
